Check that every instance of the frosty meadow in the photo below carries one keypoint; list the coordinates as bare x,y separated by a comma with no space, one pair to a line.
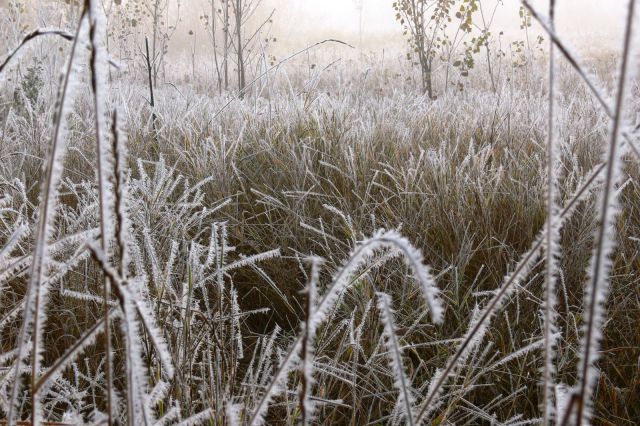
204,223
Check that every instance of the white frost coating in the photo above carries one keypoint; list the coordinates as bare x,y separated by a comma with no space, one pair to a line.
510,285
86,340
477,329
131,304
309,334
171,417
136,377
19,234
286,364
20,266
268,348
589,78
362,254
342,280
4,357
19,51
220,242
552,244
158,392
249,260
121,177
563,396
4,321
156,273
157,339
524,422
34,312
201,418
346,218
235,323
99,64
233,412
211,252
160,216
401,382
168,270
597,291
520,352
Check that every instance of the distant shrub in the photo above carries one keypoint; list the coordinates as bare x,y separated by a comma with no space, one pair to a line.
30,85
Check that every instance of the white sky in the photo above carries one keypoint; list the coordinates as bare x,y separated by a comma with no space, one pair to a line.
299,22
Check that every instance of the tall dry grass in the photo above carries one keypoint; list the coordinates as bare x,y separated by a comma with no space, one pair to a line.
264,260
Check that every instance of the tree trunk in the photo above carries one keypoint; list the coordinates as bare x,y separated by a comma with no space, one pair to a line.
239,48
226,44
215,47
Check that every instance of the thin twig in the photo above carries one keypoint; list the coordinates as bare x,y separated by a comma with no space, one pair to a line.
288,58
604,243
102,183
573,61
32,35
36,276
551,237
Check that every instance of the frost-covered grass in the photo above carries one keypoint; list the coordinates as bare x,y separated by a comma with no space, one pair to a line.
335,248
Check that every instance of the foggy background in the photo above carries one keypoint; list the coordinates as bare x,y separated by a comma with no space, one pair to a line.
593,27
586,23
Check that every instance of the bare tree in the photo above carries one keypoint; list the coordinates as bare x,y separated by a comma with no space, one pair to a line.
226,31
238,11
224,36
211,25
162,31
235,38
